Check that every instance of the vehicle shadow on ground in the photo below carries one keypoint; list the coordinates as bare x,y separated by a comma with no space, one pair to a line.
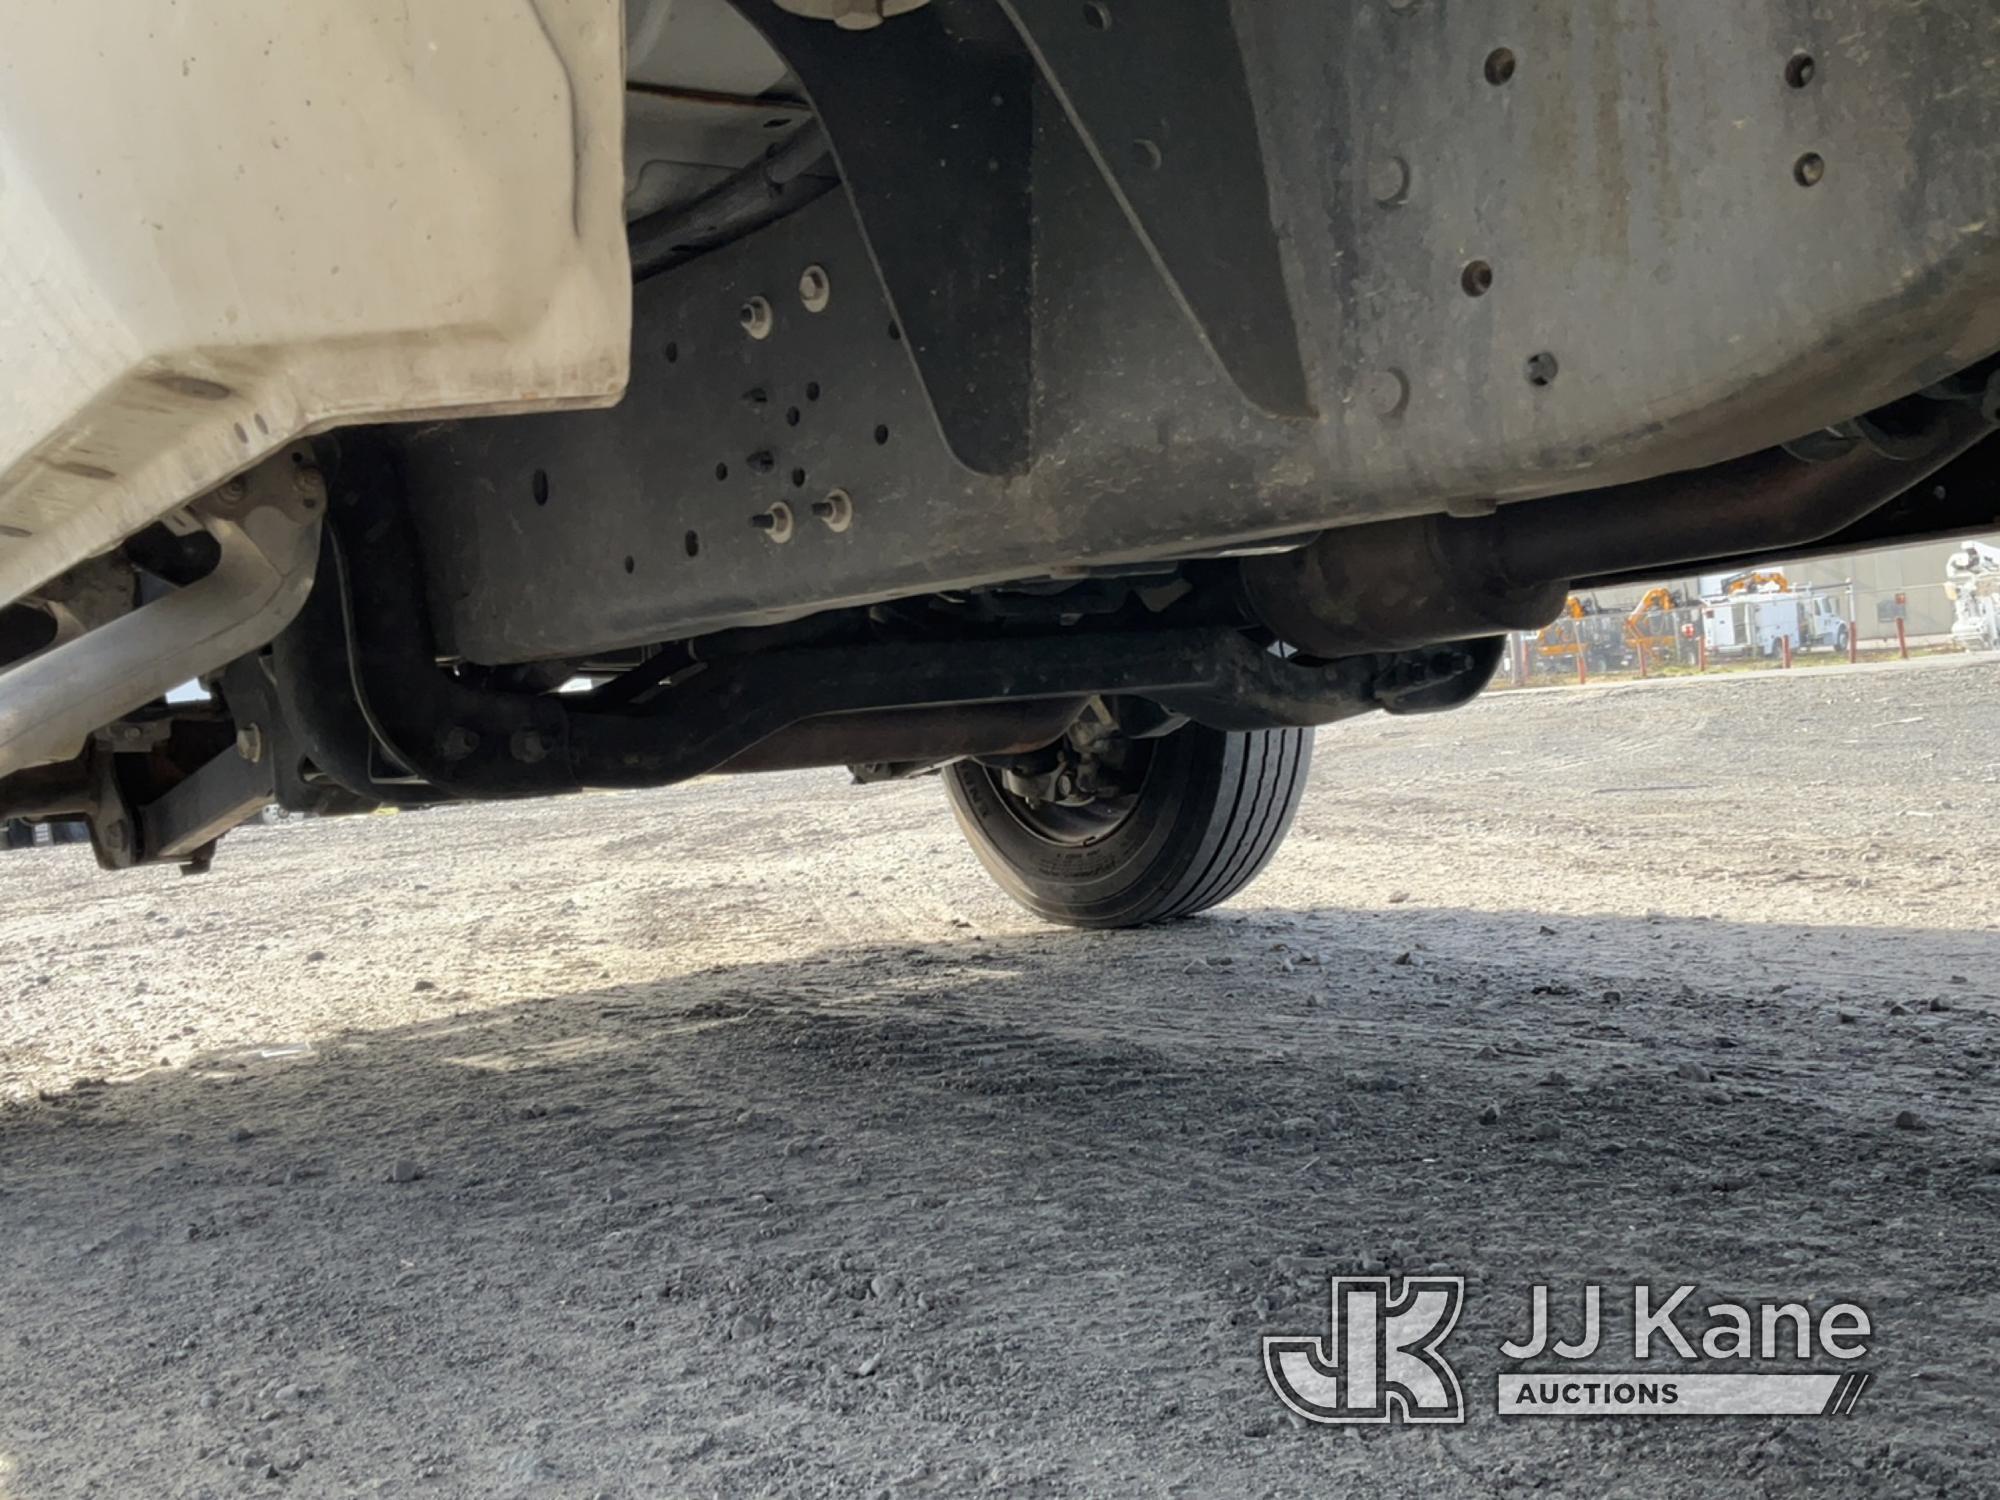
1008,1214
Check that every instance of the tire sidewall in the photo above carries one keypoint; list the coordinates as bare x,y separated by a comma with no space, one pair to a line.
1119,879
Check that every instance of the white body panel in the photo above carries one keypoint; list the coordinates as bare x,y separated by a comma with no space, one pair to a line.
225,223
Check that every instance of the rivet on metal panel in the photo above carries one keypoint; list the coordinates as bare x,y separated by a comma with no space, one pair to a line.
1389,181
1387,392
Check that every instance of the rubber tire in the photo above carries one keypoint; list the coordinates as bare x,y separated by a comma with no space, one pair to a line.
1212,810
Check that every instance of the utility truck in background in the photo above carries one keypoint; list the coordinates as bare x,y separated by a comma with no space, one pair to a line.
1972,583
1088,399
1762,614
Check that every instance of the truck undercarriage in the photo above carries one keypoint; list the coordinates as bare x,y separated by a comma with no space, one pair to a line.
1062,393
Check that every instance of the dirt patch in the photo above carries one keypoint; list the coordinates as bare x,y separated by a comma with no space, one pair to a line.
741,1140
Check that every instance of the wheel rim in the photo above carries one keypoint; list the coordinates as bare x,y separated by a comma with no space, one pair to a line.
1074,827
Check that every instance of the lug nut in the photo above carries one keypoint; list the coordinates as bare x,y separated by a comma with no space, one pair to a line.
764,521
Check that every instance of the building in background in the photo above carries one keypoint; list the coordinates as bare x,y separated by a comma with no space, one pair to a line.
1882,583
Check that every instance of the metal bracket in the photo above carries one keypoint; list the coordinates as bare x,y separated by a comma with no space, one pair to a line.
933,132
267,525
196,812
1185,164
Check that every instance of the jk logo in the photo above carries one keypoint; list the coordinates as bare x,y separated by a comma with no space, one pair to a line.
1380,1361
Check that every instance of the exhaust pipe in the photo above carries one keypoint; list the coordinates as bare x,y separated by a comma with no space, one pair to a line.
1394,585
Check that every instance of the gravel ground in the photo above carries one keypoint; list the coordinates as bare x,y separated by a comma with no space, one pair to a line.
741,1140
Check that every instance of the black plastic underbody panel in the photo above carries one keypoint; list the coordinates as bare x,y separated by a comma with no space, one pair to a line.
1530,247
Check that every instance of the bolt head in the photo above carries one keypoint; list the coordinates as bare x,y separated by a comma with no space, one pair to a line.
775,523
250,743
457,742
836,510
